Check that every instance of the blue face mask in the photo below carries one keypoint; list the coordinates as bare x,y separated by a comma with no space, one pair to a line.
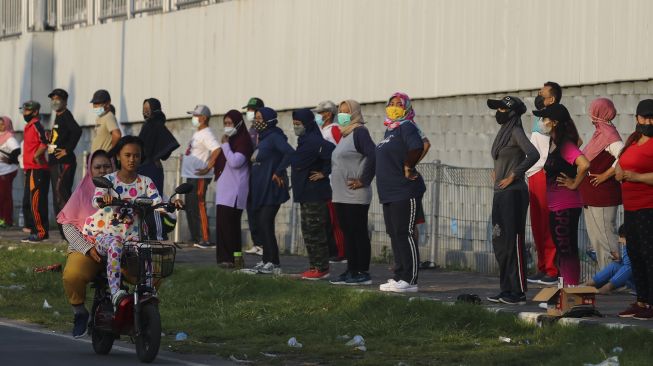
537,124
344,119
99,111
319,120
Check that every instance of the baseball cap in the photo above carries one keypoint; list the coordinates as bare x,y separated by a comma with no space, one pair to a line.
255,103
200,110
508,102
101,96
325,106
556,112
31,105
60,93
645,108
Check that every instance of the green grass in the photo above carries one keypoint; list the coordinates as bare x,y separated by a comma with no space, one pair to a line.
231,314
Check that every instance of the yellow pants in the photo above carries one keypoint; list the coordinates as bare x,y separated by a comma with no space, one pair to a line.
80,270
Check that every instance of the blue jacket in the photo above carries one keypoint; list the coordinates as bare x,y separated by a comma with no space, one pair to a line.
313,154
272,156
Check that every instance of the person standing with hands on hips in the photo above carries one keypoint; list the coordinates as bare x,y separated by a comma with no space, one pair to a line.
513,154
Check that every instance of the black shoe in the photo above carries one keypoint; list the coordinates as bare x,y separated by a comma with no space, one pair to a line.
80,325
204,245
548,280
338,260
512,299
342,279
497,298
535,278
33,239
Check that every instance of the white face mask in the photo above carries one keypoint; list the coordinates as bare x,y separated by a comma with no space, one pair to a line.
195,121
250,116
230,131
99,111
544,129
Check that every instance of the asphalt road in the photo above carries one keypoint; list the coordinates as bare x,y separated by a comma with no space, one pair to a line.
25,345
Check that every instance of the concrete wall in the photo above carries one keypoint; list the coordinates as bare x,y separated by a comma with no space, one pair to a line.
294,53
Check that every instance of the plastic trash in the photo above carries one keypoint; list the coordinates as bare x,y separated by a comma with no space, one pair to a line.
612,361
356,341
181,336
13,287
51,268
56,313
617,350
343,337
361,348
46,305
271,355
292,342
505,339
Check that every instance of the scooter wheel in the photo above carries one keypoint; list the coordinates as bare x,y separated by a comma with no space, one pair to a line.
102,341
149,340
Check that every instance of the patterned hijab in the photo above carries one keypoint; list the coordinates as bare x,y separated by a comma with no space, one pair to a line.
409,115
9,130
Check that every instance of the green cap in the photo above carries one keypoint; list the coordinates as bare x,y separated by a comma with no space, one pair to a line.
31,105
255,103
238,254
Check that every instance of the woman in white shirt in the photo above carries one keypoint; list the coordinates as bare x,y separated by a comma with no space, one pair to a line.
9,151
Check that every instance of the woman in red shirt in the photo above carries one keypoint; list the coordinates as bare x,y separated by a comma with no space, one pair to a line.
635,171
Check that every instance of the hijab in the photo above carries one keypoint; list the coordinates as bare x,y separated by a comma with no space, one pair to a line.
601,112
240,142
158,141
79,205
310,143
505,132
356,117
9,130
270,117
408,116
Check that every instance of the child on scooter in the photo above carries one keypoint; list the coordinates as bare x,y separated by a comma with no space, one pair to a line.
103,228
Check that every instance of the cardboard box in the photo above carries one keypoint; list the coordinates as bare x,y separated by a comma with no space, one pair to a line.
561,300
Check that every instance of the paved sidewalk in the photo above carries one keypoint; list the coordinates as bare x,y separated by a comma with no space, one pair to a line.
434,284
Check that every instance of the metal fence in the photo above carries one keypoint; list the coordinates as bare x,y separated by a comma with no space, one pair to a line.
73,12
10,18
458,231
113,9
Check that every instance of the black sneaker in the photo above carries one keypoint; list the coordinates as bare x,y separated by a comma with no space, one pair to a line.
80,325
338,260
204,245
548,280
535,278
32,239
497,298
342,279
512,299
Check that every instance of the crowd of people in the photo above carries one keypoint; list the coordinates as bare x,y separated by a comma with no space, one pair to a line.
561,177
332,168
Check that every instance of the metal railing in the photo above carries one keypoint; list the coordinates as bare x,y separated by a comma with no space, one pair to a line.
147,6
10,18
74,12
113,9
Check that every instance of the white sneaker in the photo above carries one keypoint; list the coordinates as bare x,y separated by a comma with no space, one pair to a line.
255,249
270,268
388,285
402,286
253,270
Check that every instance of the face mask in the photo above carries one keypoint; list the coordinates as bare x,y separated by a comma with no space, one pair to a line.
539,102
319,120
395,113
299,130
27,118
344,119
99,111
646,130
537,124
146,115
502,117
249,116
544,128
195,121
260,125
230,131
56,105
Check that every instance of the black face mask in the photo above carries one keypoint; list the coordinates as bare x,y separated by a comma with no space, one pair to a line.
646,130
27,117
502,117
539,102
146,116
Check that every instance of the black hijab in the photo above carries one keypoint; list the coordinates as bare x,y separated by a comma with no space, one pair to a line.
505,132
159,141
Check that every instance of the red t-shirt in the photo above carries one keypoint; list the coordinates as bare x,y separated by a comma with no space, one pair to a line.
33,138
639,159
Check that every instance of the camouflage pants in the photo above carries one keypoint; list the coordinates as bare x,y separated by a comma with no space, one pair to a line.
314,230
